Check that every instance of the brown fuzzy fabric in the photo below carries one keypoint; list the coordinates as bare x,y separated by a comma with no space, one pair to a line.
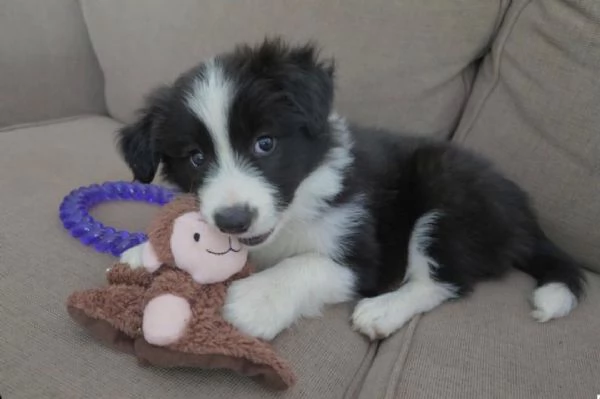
161,228
123,274
113,314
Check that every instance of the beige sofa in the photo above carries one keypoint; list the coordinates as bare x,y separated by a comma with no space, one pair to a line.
518,81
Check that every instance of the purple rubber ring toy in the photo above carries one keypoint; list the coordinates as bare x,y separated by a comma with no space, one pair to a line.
75,217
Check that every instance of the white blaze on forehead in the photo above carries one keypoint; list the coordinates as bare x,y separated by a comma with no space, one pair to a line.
210,100
230,181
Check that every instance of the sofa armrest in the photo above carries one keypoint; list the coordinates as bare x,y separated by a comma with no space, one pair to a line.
47,66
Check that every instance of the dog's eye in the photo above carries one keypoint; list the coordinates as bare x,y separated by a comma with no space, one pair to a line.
264,145
196,237
197,158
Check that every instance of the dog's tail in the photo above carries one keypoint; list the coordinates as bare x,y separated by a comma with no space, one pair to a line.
560,280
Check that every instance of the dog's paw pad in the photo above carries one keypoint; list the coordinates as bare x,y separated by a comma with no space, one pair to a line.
133,256
540,315
551,301
251,309
371,318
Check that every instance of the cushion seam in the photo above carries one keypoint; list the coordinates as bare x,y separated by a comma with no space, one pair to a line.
496,77
502,10
110,108
361,372
96,57
391,390
467,88
48,122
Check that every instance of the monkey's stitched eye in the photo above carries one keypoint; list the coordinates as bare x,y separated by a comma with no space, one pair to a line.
196,237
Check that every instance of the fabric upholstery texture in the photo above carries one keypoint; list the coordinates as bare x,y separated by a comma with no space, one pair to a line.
404,65
534,110
47,66
488,346
40,265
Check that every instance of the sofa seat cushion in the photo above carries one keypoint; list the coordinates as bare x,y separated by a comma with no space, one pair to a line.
488,346
401,64
534,110
44,354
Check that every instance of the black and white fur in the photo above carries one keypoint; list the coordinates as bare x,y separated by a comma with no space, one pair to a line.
404,223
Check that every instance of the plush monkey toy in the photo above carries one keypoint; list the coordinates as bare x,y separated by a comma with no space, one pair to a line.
168,313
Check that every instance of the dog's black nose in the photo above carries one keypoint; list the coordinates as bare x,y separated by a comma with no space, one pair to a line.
235,219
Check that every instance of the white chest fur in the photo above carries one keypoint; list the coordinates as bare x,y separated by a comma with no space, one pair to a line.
325,234
311,225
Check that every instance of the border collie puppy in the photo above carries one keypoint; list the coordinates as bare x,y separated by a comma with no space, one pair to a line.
332,212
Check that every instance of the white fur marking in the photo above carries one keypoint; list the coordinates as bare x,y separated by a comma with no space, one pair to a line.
301,273
265,303
210,100
134,256
326,181
551,301
381,316
232,181
230,186
311,224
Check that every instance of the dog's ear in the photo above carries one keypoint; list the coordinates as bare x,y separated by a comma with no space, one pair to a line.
305,80
313,89
136,141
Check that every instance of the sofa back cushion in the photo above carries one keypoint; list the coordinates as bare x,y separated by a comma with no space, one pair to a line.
47,65
535,110
400,64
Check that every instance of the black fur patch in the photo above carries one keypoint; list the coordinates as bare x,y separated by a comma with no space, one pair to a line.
486,223
281,91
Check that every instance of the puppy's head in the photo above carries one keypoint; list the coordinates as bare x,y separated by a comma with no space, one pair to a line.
243,130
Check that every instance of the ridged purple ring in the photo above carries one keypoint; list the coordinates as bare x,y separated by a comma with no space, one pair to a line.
75,217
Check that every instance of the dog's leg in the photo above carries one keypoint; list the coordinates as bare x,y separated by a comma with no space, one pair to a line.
133,256
381,316
267,302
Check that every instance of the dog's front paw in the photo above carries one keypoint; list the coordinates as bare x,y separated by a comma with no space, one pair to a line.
256,307
375,318
133,256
